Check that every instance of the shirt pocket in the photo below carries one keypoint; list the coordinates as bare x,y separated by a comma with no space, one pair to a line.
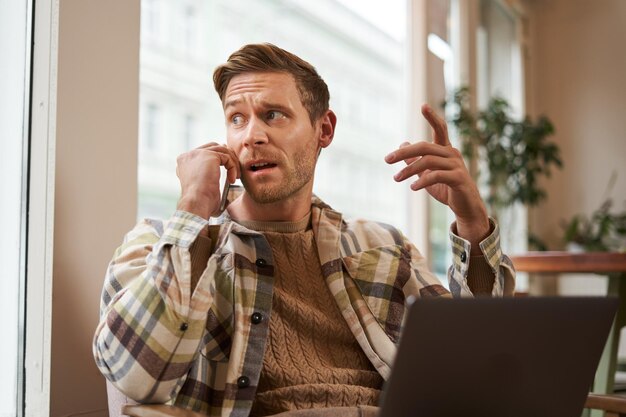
380,275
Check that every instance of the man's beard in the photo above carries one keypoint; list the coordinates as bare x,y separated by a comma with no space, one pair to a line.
299,175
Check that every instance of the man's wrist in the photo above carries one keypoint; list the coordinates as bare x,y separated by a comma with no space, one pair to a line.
200,207
474,232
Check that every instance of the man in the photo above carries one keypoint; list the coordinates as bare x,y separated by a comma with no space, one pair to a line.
280,304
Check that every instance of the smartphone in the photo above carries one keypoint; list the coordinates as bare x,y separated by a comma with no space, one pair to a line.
225,186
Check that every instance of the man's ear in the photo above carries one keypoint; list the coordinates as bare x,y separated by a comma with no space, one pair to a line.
327,123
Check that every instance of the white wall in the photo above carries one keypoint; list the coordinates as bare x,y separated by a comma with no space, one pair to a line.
96,184
578,79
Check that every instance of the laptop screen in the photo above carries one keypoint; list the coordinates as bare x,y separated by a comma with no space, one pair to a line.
498,357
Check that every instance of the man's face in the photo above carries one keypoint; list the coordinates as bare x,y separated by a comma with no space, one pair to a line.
270,131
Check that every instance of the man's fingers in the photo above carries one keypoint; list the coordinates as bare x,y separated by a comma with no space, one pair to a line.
208,145
237,164
440,128
429,163
228,159
214,147
416,150
231,165
408,161
429,178
410,153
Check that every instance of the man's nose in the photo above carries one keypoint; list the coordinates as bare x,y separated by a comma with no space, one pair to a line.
255,133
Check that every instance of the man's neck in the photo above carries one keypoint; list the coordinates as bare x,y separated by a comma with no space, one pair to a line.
291,209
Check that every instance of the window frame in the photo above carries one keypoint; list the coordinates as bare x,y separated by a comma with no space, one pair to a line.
40,237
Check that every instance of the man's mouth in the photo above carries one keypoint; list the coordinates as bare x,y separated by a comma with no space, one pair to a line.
261,166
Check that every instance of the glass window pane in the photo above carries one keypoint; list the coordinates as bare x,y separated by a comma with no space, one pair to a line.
443,81
499,72
357,47
13,84
500,75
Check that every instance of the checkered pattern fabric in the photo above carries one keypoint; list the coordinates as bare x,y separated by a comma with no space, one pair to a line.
160,343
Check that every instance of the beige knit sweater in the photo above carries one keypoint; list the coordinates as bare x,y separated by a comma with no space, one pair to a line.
311,360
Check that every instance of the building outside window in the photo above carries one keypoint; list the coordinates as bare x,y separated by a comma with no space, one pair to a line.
150,134
361,61
189,125
150,18
190,30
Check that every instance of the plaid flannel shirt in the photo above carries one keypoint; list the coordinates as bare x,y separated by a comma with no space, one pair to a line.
158,342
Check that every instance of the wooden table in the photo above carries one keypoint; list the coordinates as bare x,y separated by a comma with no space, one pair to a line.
603,263
561,262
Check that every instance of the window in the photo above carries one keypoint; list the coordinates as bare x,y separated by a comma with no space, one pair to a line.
151,130
498,72
189,124
150,22
498,56
15,83
12,174
445,79
190,29
362,61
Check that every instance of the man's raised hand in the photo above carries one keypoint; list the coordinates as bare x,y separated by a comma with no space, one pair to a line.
440,170
198,171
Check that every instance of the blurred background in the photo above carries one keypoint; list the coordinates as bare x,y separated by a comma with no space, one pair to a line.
100,97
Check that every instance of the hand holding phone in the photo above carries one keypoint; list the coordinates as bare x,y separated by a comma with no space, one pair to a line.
203,172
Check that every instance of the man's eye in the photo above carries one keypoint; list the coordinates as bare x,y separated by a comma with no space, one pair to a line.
274,114
237,119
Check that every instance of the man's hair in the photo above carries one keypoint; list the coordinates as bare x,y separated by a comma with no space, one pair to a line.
266,57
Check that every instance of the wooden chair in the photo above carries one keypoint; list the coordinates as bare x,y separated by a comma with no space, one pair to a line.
116,400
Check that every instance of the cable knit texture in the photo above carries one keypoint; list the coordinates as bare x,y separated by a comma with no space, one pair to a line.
311,360
480,276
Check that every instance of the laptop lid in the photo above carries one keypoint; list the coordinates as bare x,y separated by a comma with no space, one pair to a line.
505,357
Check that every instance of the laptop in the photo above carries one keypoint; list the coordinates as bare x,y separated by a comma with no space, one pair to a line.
508,357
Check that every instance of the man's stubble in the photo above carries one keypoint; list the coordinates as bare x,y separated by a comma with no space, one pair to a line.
299,174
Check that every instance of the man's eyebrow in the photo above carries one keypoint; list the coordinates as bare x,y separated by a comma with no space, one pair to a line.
277,106
230,103
266,104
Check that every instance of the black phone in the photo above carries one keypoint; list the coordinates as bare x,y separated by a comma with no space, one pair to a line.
225,188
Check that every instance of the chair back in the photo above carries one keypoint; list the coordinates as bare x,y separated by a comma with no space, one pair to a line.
116,400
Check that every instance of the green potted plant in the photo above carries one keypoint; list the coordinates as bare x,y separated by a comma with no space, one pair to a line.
601,232
516,153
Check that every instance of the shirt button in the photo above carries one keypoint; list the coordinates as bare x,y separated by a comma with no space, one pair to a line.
463,256
261,262
243,382
184,327
256,318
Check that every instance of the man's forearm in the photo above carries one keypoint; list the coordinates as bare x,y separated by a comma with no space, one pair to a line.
147,321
